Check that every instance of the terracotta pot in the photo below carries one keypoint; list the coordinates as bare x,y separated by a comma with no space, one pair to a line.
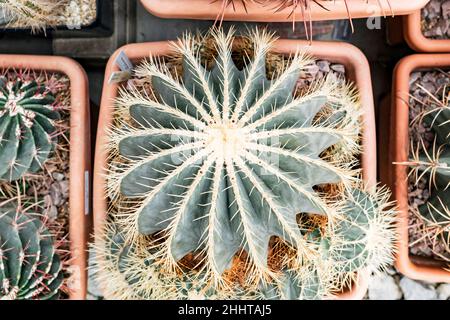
209,10
80,159
394,142
416,40
357,68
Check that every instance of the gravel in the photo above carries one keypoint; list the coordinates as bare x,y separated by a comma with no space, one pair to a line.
384,287
415,290
436,19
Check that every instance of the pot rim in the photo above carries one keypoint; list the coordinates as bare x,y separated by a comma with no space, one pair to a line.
415,38
399,152
357,68
205,10
80,160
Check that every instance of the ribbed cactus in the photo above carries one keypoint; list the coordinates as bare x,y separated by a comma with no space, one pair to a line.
362,241
30,267
434,163
27,116
36,14
215,163
127,272
227,151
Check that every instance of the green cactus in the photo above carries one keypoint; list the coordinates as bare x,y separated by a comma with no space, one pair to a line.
27,126
127,272
434,163
215,162
30,267
360,239
226,158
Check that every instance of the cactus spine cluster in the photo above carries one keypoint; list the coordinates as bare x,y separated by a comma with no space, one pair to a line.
27,125
213,171
434,163
30,267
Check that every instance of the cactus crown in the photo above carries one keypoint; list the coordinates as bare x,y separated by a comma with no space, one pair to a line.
217,163
30,267
27,125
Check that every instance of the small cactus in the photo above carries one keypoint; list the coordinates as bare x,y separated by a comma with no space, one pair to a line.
215,163
434,163
27,125
30,267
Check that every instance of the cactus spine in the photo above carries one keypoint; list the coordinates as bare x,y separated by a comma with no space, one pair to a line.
215,163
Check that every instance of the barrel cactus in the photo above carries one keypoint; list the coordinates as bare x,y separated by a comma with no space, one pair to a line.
30,267
27,126
214,163
434,163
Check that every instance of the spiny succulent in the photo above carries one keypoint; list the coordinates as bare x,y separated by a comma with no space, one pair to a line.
30,267
36,14
28,111
225,159
434,163
213,168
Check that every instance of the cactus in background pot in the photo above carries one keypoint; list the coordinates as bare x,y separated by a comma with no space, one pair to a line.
36,14
292,6
211,171
28,111
30,267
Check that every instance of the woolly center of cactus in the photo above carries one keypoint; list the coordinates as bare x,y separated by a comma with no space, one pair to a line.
227,141
12,104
